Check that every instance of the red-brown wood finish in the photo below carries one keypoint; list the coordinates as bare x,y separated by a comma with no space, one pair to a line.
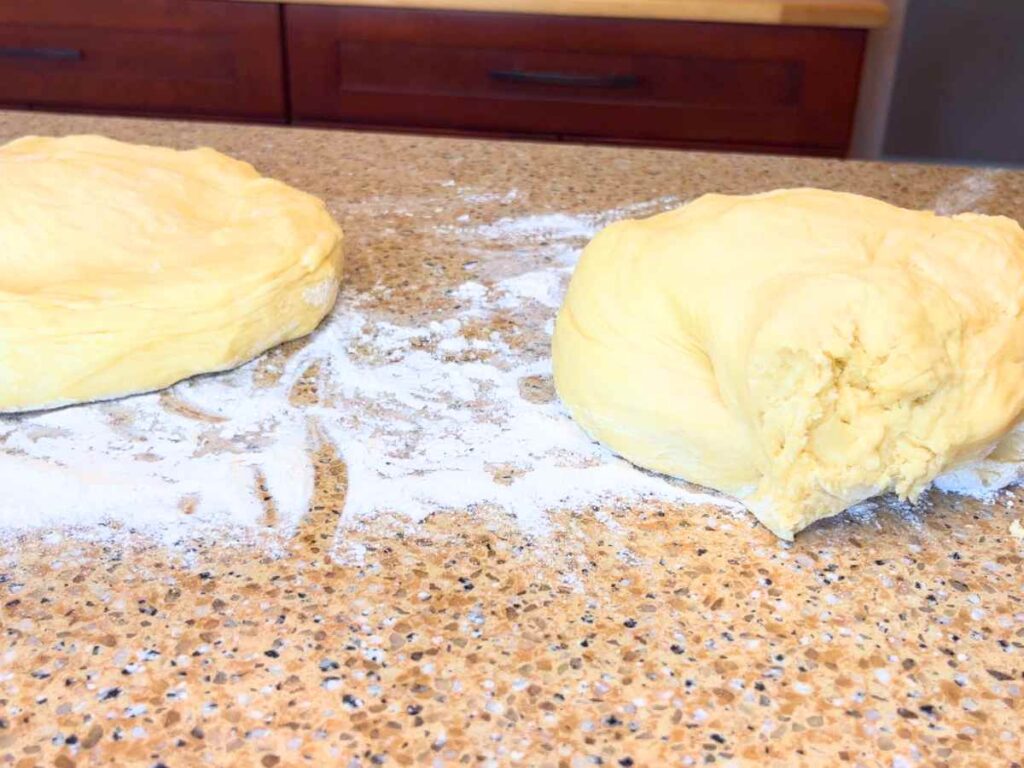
175,57
751,87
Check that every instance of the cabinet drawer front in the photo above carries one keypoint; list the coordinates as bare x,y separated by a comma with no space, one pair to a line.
635,80
200,57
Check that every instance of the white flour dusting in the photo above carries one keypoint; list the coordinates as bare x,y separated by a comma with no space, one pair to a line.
967,193
158,464
449,414
984,479
557,226
557,229
543,286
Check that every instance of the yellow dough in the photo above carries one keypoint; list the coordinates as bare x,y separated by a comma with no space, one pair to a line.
125,268
801,350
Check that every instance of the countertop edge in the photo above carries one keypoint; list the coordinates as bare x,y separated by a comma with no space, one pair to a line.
857,14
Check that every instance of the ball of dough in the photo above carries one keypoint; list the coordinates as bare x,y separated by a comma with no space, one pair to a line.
801,350
126,268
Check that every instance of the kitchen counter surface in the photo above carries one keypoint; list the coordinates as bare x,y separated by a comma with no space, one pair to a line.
648,635
826,13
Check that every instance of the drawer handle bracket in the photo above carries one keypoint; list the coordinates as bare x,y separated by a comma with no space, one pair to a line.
44,54
564,79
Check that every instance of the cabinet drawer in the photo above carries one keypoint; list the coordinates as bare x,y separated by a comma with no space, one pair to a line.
654,81
200,57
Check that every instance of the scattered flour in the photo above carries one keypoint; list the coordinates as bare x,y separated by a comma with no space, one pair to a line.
469,195
550,225
544,286
967,193
318,295
431,417
553,228
157,463
984,479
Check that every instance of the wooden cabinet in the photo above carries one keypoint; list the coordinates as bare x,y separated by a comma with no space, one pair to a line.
761,87
173,57
739,86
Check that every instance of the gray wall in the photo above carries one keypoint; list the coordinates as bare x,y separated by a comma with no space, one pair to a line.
958,95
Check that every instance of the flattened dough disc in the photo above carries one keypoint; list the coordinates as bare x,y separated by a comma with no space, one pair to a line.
126,268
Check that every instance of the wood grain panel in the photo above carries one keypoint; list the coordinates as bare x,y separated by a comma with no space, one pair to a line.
660,82
150,56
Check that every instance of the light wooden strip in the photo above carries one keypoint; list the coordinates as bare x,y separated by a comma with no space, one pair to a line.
827,13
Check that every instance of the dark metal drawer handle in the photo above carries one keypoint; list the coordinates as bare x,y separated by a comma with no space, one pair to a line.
563,78
46,54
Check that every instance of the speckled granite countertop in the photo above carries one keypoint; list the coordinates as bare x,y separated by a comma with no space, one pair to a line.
681,636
